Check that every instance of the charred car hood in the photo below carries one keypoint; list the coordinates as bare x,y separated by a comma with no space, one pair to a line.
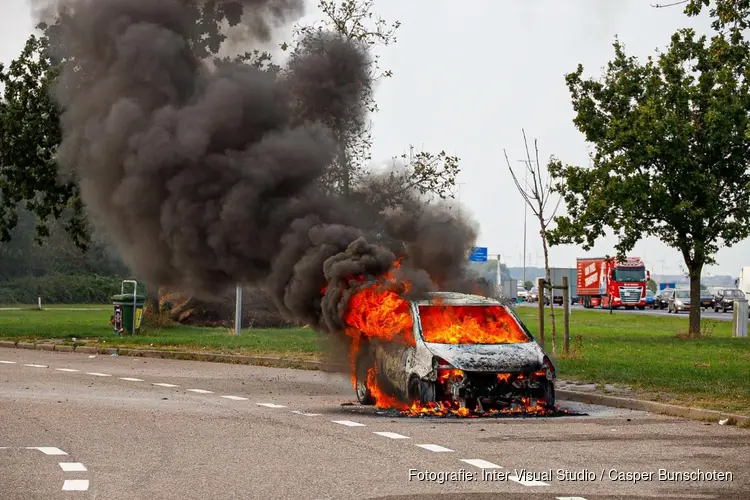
490,357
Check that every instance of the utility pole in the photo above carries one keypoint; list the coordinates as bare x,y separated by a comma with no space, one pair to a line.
459,184
238,310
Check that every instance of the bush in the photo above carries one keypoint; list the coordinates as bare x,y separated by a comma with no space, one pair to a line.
60,289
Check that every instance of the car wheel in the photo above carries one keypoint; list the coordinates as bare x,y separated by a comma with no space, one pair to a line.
421,390
364,396
549,394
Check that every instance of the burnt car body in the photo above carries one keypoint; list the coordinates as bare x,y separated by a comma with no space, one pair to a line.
725,297
477,376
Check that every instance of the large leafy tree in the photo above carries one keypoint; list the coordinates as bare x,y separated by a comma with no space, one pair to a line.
671,150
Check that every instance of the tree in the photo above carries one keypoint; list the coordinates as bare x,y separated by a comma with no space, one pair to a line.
671,152
29,136
528,285
537,194
356,21
651,285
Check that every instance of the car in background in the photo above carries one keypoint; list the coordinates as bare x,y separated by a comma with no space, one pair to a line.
650,298
725,297
533,295
707,299
661,299
521,292
679,300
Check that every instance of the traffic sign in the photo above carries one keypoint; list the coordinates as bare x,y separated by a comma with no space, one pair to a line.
478,254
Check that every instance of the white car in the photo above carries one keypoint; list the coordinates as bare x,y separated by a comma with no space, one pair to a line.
482,371
522,293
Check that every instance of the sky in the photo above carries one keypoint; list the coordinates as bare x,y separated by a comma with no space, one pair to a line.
468,80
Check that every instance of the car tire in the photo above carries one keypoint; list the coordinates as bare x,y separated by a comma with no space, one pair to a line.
549,395
364,396
420,390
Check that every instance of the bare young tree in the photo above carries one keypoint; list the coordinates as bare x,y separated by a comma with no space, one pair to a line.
537,193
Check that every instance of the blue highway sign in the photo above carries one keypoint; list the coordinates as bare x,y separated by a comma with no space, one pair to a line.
478,254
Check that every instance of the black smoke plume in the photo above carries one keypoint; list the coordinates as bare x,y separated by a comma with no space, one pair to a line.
210,177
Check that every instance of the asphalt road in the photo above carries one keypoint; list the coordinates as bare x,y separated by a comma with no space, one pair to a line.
137,428
705,314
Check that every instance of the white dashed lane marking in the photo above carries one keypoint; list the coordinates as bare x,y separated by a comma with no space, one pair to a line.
306,414
348,423
200,391
570,498
160,384
130,379
235,398
66,370
35,366
76,485
270,405
73,467
97,374
48,450
482,464
435,447
391,435
7,362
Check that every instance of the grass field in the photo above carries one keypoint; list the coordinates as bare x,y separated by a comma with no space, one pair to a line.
645,352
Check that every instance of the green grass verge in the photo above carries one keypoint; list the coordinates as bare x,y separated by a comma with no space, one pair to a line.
93,325
643,352
650,354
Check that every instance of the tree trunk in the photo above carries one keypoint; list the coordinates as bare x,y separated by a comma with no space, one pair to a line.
549,282
694,271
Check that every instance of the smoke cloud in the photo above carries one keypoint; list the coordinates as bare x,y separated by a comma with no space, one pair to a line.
206,178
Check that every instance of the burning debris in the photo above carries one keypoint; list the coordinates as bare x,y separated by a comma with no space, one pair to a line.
208,177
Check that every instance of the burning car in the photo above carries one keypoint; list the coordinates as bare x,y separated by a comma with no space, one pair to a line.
462,351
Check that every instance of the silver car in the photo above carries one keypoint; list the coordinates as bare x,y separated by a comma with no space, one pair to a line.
492,373
679,300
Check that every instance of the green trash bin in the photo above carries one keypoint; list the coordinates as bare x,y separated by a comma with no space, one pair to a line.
128,310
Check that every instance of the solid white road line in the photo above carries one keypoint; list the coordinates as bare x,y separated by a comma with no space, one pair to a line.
391,435
36,366
348,423
270,405
130,379
527,483
160,384
200,391
97,374
73,467
7,362
235,398
306,414
76,485
570,498
434,447
482,464
66,370
48,450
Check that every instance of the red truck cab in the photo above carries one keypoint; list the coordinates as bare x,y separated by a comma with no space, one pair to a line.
610,282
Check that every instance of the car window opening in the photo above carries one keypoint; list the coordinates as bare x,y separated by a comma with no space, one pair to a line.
474,324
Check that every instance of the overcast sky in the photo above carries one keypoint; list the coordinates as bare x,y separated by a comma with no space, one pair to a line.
468,80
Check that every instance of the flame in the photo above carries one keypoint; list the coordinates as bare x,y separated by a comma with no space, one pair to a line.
469,325
378,309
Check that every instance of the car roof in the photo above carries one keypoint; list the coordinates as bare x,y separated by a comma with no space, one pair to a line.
455,298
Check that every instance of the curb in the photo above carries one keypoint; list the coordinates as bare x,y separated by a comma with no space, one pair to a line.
579,397
653,407
183,355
